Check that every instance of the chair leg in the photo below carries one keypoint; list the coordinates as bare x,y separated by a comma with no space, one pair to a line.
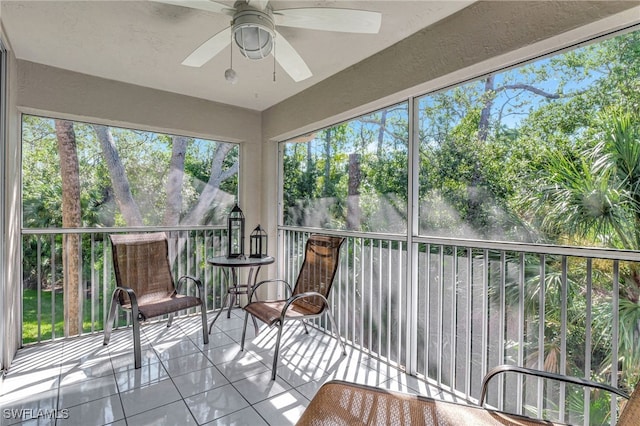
244,329
277,350
333,325
170,321
137,350
219,312
255,325
205,333
304,324
112,313
233,302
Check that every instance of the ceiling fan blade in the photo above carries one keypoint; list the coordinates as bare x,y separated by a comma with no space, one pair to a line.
326,19
209,49
258,4
290,60
209,6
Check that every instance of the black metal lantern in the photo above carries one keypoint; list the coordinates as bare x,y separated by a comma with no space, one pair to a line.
235,233
258,243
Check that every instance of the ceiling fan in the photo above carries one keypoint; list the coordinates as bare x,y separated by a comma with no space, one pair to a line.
253,28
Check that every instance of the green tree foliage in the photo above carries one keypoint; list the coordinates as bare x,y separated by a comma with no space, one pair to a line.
317,175
145,157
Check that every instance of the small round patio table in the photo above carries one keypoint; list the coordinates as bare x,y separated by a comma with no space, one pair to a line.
234,288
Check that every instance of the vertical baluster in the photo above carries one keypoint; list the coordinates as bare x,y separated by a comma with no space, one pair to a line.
468,363
39,285
106,295
192,263
93,282
206,274
485,309
502,324
189,267
541,323
53,286
402,305
354,288
346,291
519,382
176,268
453,358
389,295
362,294
341,326
370,290
563,339
615,311
379,328
199,263
427,313
587,342
440,314
81,290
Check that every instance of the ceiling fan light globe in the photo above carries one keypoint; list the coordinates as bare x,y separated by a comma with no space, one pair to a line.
254,42
253,31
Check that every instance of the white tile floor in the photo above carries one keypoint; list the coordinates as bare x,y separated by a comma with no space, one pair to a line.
182,381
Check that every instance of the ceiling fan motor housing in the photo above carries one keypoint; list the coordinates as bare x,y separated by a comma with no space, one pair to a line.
253,30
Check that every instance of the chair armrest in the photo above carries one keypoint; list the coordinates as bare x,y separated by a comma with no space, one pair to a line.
287,286
192,278
301,296
132,294
546,375
133,299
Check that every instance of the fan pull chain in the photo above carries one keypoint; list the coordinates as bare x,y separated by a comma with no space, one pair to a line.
274,59
230,74
231,51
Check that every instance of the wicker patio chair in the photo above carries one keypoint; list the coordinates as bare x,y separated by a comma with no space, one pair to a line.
308,299
342,403
145,285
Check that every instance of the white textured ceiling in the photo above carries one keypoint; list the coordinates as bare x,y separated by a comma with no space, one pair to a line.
143,43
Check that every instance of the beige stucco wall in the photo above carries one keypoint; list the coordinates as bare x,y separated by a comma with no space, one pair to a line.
80,96
11,291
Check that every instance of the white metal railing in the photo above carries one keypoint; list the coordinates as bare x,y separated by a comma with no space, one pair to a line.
43,309
473,305
479,304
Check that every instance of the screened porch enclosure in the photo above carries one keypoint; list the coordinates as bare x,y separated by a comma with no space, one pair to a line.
489,219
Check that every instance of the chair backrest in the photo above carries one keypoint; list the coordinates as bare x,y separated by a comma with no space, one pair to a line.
141,263
321,256
631,412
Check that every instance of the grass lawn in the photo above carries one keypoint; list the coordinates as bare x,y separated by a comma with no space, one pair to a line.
30,315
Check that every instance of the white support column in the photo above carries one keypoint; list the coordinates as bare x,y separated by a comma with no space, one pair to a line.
10,254
412,229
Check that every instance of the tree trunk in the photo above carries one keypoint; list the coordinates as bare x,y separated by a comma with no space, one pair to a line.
485,114
174,181
122,190
198,213
353,198
71,218
327,192
383,124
